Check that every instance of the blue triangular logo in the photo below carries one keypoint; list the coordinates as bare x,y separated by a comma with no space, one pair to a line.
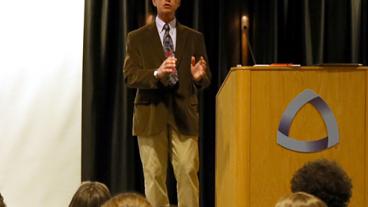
307,96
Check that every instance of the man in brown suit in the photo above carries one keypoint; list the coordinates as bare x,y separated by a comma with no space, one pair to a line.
166,62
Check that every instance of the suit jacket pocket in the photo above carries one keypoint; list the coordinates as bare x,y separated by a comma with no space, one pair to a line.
193,100
193,103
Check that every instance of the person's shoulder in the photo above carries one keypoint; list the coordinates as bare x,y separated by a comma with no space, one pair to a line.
189,30
142,30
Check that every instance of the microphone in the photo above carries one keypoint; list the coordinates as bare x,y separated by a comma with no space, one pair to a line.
248,46
173,77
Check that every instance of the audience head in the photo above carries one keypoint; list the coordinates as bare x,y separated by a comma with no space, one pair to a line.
324,179
90,194
300,199
2,203
127,200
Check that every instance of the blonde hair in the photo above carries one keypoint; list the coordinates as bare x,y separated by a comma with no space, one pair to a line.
300,199
127,200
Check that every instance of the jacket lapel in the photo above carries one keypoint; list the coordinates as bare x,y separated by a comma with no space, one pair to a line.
180,43
156,42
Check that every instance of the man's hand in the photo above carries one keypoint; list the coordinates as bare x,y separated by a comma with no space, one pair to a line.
167,67
198,70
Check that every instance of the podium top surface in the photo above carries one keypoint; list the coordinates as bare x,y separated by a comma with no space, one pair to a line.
293,67
298,67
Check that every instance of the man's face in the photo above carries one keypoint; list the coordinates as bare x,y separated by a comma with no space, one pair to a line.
166,7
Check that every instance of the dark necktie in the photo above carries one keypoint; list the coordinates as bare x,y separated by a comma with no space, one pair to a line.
169,51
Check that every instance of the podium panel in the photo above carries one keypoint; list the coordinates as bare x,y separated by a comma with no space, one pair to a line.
251,168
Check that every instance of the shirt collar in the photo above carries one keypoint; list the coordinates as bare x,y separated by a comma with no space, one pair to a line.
160,24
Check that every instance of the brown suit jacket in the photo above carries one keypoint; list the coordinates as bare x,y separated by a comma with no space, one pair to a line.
144,54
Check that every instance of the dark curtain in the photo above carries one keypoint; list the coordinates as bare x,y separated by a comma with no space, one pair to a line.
305,32
310,32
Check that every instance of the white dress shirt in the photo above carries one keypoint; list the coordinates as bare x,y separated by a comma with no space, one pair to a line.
160,28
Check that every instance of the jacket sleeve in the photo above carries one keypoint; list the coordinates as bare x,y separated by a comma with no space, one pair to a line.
135,75
206,80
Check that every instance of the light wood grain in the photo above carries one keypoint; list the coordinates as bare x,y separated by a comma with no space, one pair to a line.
230,176
249,108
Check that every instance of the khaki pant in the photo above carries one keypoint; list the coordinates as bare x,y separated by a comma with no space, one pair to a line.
183,151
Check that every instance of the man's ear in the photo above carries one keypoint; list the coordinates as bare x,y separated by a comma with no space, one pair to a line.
154,3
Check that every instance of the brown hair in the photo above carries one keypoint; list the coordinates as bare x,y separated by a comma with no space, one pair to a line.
127,200
90,194
2,204
300,199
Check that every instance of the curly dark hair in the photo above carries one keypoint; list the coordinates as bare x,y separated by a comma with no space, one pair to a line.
324,179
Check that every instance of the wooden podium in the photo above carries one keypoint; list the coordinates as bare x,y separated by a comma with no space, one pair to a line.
252,170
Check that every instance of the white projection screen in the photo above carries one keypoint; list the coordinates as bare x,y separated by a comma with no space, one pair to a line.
41,46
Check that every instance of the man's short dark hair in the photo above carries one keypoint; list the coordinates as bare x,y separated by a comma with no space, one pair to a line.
324,179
